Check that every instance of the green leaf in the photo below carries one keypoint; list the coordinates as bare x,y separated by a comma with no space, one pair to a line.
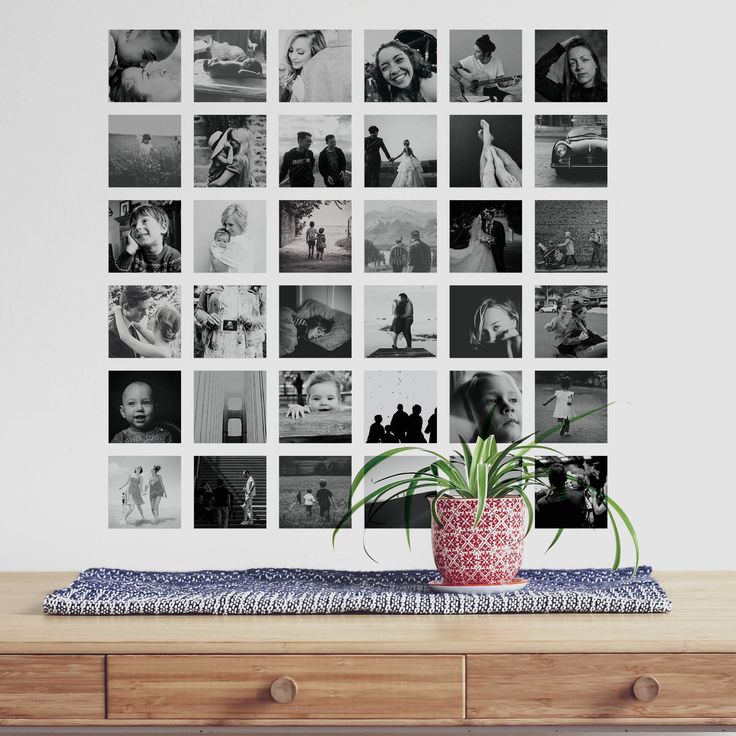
630,527
482,473
554,541
617,540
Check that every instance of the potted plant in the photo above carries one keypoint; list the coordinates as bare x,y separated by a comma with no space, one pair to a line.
481,510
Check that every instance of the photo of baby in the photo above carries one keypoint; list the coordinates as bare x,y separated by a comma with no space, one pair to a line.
144,407
315,406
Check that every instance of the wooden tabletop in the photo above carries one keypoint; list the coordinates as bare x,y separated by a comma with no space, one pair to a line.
702,620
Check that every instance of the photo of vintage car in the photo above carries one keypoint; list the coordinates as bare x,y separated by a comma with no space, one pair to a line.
583,150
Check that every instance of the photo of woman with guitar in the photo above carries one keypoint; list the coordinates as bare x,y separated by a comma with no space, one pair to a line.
480,76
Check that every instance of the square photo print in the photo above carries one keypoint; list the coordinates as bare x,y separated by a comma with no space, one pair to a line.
400,66
144,66
314,65
229,66
230,492
560,396
315,406
485,66
572,492
144,151
313,491
144,236
144,492
400,237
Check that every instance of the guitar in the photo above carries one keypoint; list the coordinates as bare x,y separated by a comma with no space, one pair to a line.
478,87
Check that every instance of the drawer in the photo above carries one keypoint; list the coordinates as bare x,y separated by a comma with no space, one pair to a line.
322,686
53,686
562,686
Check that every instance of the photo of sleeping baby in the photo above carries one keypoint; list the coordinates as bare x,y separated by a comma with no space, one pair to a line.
315,321
229,66
229,151
144,66
315,406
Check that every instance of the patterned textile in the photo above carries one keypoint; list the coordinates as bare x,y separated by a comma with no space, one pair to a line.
262,591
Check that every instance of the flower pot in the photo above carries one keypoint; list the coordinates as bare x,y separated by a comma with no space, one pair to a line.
488,554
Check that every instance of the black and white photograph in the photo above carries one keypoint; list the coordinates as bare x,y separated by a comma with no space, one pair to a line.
486,322
230,236
144,66
144,407
230,321
230,492
144,321
571,492
315,321
400,407
571,235
315,236
571,321
571,66
485,151
315,406
571,150
144,492
229,65
400,151
315,151
485,404
392,514
314,65
400,323
400,66
229,406
400,237
230,151
485,66
144,236
560,396
144,151
485,236
314,491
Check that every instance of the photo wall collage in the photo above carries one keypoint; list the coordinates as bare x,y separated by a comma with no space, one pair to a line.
310,328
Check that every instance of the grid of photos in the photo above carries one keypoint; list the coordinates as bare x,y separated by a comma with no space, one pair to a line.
300,316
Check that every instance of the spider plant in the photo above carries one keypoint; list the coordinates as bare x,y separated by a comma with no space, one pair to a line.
483,471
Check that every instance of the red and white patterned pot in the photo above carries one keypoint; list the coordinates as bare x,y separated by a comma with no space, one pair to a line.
485,555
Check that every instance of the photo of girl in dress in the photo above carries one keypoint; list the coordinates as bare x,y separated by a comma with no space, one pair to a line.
571,66
485,151
485,404
485,66
410,140
229,150
486,321
144,492
314,66
400,66
229,66
571,393
485,236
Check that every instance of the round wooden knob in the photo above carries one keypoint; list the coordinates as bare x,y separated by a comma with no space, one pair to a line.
646,688
284,690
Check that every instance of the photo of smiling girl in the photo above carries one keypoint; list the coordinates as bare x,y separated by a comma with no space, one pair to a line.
400,66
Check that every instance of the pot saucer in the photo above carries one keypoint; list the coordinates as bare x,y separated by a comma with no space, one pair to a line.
440,586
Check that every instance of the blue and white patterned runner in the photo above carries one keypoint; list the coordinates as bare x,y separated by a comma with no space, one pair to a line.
262,591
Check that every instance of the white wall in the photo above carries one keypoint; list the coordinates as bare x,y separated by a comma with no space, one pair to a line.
671,261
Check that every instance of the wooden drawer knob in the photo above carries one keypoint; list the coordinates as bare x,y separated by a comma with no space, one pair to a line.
646,688
284,690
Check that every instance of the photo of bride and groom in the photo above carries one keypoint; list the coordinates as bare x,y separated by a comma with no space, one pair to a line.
485,237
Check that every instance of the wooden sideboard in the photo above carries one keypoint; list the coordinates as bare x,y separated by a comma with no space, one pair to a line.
676,669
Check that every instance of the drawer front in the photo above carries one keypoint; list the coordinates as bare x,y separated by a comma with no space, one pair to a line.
561,686
39,686
327,686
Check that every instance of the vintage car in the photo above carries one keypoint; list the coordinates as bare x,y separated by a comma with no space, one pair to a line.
585,149
548,308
